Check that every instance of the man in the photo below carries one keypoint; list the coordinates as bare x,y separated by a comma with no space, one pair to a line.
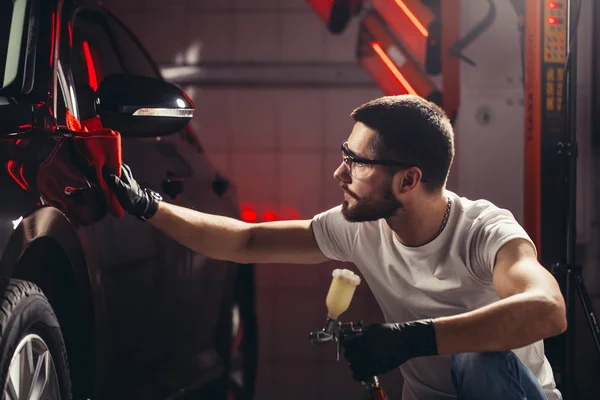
466,302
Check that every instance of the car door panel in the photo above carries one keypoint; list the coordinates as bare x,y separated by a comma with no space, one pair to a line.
149,281
164,300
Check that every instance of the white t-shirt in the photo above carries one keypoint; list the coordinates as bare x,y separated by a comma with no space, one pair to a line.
450,275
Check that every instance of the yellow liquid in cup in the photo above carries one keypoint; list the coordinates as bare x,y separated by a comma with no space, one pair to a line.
341,291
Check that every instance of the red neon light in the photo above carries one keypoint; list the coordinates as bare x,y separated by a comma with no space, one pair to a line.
552,5
390,64
552,21
53,39
9,167
413,18
249,215
22,177
269,216
291,213
70,34
92,77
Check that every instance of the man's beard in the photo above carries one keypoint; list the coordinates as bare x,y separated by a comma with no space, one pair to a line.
369,209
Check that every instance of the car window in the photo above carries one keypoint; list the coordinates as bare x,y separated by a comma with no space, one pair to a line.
12,23
101,47
135,58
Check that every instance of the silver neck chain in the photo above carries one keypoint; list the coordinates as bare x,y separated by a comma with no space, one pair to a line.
445,220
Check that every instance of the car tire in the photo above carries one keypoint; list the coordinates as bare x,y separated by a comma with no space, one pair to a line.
29,331
242,366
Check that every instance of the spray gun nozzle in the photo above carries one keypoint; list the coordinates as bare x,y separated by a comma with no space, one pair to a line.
320,337
325,335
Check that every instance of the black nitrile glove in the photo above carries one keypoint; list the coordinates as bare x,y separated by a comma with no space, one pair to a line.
380,348
141,203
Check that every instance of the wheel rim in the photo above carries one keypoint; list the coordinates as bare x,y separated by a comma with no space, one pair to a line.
236,376
31,374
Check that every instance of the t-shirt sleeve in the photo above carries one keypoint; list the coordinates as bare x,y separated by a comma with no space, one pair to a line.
490,231
335,236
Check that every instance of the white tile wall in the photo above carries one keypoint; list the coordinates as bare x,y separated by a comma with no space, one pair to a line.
161,5
499,152
293,5
342,47
213,33
300,182
164,34
292,276
340,103
221,161
253,119
212,122
122,6
300,116
254,175
256,5
332,193
303,37
297,312
210,6
257,36
295,381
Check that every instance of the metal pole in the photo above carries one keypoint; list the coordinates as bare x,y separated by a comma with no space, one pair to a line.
570,150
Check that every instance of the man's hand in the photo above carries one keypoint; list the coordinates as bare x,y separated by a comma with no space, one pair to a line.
141,203
380,348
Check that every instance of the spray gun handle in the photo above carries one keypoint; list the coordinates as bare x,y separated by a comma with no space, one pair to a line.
337,331
348,331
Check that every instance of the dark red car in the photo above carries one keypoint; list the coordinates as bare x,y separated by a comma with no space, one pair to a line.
97,306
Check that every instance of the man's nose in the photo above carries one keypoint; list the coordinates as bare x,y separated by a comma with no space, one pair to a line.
341,174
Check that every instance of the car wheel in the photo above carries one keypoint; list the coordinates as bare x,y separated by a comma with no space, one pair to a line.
244,345
33,358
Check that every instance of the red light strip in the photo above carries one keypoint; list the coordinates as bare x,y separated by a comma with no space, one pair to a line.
70,34
92,78
412,17
23,177
9,166
53,39
390,64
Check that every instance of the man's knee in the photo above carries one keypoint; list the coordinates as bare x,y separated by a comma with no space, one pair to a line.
476,364
493,375
475,373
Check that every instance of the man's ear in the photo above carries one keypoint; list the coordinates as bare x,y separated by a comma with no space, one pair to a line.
406,180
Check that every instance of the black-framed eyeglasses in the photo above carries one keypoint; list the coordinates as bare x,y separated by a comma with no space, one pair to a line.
352,160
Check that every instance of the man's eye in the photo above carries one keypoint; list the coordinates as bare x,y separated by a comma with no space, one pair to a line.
360,165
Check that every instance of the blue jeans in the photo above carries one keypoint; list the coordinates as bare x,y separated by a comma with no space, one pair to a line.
494,376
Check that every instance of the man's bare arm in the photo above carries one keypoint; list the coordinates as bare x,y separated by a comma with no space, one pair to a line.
532,308
227,238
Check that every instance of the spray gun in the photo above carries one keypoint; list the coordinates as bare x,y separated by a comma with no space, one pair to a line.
338,300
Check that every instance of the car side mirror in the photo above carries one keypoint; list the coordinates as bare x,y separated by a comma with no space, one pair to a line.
141,106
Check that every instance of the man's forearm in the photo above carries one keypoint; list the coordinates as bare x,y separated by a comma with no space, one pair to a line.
508,324
214,236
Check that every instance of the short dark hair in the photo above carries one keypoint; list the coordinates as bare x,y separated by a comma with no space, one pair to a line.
410,128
